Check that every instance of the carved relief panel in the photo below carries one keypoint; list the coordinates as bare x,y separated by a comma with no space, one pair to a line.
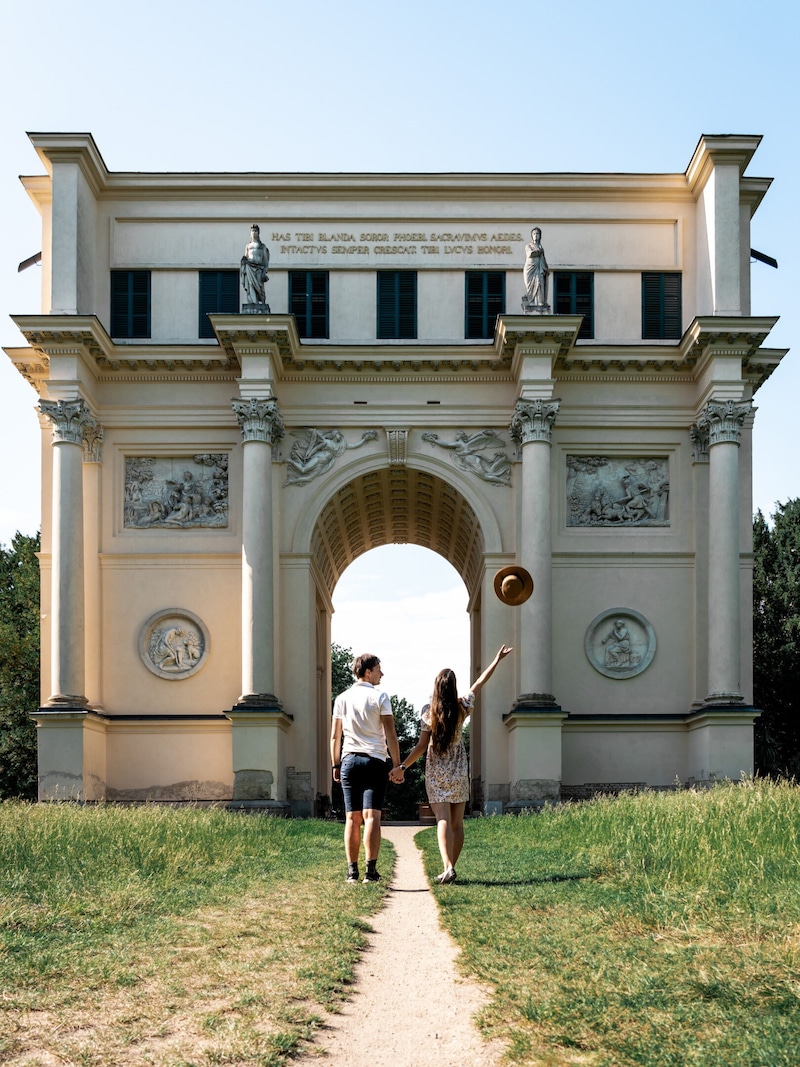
176,492
617,491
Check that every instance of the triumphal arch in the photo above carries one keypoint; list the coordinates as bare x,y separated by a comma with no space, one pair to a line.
247,380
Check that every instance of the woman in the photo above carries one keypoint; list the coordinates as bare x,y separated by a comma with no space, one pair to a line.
535,270
446,773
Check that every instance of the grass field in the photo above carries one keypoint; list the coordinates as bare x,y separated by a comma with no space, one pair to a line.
660,929
152,936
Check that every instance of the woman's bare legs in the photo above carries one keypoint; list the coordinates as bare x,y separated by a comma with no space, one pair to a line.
450,832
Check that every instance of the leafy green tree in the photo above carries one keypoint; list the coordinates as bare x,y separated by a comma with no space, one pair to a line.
776,640
402,800
341,669
19,665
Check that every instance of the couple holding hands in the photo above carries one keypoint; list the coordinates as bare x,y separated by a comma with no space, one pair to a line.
363,729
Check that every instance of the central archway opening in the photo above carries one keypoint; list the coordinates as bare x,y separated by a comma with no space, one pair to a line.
408,605
414,551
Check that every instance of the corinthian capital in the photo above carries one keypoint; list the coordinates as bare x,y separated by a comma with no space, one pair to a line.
533,420
722,420
260,420
72,422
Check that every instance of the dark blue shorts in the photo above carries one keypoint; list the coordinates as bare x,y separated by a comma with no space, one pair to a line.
364,780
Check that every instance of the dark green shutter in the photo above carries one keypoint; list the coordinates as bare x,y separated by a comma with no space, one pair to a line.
661,305
130,303
574,295
397,304
219,294
308,301
484,300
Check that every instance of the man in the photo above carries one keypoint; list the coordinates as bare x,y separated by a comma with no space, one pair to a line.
363,727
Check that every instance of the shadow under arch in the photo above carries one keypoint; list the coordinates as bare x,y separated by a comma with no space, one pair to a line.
369,505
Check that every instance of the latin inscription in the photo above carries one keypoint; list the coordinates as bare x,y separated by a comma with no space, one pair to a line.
353,244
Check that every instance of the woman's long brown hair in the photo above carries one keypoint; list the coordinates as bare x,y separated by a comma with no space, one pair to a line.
445,711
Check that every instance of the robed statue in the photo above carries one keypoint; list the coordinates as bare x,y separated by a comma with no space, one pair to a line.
535,273
253,268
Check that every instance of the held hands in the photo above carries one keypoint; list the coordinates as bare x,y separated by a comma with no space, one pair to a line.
397,775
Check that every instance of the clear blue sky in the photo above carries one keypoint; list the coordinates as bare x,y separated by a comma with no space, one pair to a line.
441,86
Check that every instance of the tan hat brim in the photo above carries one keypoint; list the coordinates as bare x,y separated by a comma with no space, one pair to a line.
515,592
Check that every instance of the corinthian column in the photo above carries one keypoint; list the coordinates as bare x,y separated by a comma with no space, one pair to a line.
262,427
71,424
721,423
532,428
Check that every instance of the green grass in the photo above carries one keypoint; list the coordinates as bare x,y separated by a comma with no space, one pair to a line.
659,929
185,938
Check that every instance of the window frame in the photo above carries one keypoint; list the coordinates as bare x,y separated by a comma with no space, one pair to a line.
567,300
479,314
130,304
224,303
396,305
312,322
662,310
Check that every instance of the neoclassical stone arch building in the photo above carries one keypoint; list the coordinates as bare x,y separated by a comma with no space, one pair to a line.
215,457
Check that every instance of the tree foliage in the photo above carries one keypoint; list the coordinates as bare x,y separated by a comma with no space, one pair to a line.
776,640
341,669
19,665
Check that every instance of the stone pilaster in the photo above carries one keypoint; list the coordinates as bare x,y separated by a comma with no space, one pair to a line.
720,424
262,427
532,428
73,426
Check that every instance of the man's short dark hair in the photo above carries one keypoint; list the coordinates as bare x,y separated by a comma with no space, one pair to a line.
364,663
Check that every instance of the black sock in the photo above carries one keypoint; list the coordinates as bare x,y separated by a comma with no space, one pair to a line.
372,866
352,868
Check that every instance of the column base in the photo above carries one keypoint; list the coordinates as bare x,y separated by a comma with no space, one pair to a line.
258,702
724,700
535,702
67,702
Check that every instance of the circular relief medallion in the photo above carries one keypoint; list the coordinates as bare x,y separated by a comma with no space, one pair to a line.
174,644
620,643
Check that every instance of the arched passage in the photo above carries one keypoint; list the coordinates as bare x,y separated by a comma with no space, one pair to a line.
385,506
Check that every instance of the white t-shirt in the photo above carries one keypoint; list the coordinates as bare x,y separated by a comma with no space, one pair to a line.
360,708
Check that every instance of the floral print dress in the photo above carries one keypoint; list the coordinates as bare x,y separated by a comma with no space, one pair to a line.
447,775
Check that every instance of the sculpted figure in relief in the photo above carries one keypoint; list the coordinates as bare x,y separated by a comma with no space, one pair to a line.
253,268
495,469
175,649
156,497
619,651
617,492
535,273
315,452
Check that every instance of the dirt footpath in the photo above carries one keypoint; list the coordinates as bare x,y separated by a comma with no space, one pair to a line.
410,1007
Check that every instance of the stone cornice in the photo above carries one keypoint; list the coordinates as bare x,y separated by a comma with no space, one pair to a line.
80,148
719,149
516,337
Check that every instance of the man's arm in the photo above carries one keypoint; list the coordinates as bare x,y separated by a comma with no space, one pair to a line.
391,739
336,747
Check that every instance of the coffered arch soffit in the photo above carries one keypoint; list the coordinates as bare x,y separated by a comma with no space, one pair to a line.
368,507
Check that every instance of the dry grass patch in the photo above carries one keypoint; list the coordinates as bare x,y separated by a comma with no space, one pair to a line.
228,961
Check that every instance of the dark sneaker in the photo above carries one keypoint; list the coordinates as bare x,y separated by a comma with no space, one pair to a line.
352,878
372,876
352,873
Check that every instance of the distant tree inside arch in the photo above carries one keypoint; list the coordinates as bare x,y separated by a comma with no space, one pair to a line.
776,640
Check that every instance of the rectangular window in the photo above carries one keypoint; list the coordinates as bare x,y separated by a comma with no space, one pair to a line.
574,295
661,305
397,303
130,303
485,299
308,301
219,294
